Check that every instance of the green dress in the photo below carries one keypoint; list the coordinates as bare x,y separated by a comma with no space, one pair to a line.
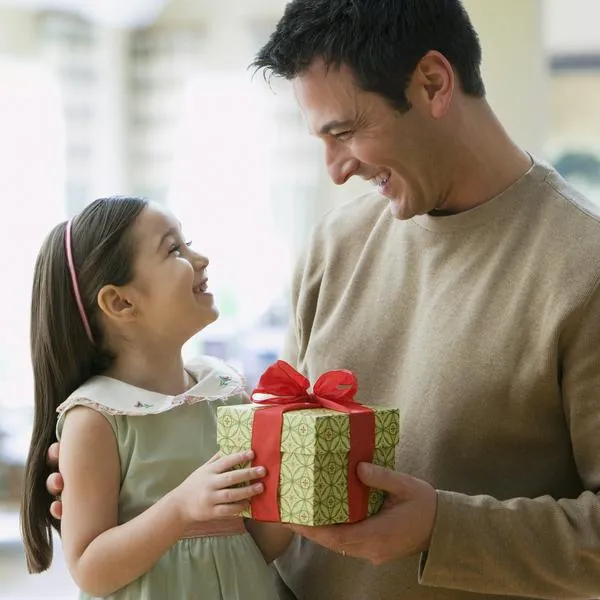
161,440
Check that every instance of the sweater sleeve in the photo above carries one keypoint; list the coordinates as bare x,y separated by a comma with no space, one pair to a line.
539,547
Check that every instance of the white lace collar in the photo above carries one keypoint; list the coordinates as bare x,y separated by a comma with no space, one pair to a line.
215,381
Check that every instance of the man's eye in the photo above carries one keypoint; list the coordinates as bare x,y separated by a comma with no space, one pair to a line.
343,136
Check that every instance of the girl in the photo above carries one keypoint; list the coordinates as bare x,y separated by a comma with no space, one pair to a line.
117,292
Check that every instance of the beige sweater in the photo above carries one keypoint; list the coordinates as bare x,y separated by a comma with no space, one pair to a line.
484,329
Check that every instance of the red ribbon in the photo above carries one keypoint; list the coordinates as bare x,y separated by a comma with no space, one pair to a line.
285,390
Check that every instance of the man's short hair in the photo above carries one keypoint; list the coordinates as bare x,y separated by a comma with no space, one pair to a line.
381,41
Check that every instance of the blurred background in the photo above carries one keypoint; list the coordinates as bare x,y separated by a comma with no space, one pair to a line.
153,98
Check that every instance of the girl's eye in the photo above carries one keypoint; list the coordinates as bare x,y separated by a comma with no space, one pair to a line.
189,244
176,248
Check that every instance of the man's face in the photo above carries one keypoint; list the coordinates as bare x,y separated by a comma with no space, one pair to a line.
366,137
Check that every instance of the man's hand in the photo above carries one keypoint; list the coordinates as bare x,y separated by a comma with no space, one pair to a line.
401,528
55,483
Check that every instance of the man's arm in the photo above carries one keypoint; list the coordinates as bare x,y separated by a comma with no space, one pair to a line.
542,547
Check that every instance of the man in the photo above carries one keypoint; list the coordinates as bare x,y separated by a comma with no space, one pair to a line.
473,305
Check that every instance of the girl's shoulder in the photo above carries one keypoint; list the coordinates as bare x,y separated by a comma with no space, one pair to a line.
98,393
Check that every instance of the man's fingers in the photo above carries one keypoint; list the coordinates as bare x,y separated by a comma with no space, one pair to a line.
55,484
348,539
384,479
56,510
341,539
52,456
330,536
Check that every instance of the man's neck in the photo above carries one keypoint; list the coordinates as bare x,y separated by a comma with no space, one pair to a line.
485,160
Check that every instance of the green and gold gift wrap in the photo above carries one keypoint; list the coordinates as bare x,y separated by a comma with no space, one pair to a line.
313,482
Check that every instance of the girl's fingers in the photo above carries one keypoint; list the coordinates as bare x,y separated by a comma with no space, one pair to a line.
236,495
226,463
213,459
237,476
222,511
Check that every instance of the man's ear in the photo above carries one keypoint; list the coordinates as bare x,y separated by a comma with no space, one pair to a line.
432,84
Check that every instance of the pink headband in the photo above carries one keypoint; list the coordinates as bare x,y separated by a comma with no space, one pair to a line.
74,283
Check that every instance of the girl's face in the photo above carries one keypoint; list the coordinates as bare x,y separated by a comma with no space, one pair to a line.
169,289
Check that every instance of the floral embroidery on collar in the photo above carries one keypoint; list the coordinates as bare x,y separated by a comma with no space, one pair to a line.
215,380
224,380
139,404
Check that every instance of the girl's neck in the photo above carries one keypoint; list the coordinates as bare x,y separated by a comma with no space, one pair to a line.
157,372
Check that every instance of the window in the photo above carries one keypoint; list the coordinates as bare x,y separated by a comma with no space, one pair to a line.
32,155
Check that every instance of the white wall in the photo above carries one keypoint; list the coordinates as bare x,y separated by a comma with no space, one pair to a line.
109,170
515,68
17,31
572,26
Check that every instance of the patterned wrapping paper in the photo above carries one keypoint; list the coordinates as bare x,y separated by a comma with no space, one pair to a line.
314,458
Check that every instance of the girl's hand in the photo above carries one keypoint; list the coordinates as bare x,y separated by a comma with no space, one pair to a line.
208,493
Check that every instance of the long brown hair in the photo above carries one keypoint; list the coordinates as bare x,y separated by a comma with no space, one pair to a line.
63,356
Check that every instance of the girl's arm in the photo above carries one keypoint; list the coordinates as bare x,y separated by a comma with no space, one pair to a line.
103,556
271,538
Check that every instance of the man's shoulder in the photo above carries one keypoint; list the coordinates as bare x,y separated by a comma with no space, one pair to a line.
571,217
571,203
558,230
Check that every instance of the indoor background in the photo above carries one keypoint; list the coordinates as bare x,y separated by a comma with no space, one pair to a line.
154,98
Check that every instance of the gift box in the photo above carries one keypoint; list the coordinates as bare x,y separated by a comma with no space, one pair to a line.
310,444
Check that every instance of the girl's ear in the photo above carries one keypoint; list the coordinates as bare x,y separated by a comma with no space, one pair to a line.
116,304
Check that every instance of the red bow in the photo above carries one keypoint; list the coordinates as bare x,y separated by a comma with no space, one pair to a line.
282,384
284,389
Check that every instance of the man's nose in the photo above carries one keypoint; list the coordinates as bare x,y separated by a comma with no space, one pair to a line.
340,165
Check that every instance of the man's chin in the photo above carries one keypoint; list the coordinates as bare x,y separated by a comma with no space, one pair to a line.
401,209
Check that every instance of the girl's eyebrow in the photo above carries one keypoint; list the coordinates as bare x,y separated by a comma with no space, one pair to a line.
172,231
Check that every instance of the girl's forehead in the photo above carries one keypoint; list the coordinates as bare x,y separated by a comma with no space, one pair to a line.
158,214
155,220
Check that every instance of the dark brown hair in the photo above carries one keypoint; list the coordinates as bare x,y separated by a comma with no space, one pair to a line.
382,41
62,355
